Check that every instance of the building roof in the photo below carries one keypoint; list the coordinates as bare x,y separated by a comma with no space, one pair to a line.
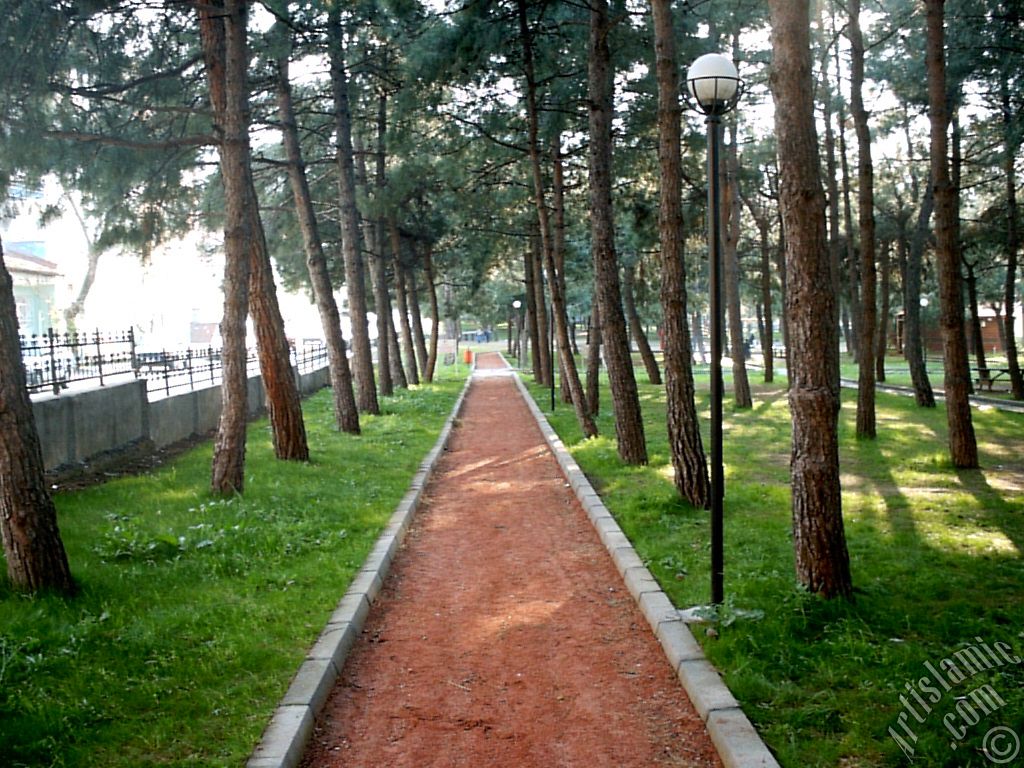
19,261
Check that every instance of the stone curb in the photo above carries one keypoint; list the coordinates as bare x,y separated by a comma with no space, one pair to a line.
291,725
735,738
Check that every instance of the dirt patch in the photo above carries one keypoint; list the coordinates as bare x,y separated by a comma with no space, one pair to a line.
504,636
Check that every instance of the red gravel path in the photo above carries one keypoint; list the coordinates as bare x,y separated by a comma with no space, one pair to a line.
504,636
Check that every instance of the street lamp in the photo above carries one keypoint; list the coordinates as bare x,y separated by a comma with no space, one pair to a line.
715,86
519,333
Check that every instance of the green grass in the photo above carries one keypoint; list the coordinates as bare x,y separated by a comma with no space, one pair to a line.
195,612
936,559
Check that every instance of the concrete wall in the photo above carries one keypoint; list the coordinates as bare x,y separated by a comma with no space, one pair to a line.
78,427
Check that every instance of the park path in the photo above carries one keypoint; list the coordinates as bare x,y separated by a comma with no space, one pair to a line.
504,636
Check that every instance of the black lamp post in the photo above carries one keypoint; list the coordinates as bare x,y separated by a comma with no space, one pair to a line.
715,86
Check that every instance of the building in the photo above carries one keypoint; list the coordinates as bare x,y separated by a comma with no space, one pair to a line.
35,287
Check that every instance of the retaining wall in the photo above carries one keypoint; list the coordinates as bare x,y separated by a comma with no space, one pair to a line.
76,428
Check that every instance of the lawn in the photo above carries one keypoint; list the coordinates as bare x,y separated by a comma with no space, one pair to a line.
196,611
936,559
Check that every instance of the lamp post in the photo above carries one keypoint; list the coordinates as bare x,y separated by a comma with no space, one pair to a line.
519,333
715,86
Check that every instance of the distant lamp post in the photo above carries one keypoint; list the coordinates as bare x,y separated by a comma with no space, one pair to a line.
519,334
715,86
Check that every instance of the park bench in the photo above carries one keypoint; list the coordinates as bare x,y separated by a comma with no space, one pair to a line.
989,376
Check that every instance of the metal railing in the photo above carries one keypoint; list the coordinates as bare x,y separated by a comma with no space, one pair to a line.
53,361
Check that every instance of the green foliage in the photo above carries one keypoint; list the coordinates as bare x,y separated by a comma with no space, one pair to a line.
936,558
196,611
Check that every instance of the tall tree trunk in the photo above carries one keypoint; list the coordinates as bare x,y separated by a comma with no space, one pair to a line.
362,354
689,463
962,443
913,342
435,319
781,266
852,267
822,560
767,331
375,246
540,304
565,386
346,415
594,360
884,321
36,559
972,302
532,335
732,206
395,354
402,297
831,175
284,405
418,338
636,325
222,28
1011,148
629,425
956,175
866,214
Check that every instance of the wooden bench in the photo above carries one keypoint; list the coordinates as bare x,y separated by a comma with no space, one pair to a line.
989,376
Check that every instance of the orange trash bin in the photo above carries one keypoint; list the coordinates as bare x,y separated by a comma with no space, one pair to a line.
467,356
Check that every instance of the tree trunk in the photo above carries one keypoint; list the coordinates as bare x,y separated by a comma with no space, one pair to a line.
852,270
375,243
962,444
283,402
36,559
689,463
1011,148
972,302
730,258
362,354
402,297
565,386
831,176
532,335
784,284
636,325
884,321
418,337
395,354
594,360
435,319
768,332
222,28
346,415
540,305
866,213
822,560
629,425
913,343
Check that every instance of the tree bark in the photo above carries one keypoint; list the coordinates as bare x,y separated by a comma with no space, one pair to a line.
866,214
767,320
629,425
540,306
913,342
36,559
402,298
962,443
976,340
884,321
375,246
362,354
435,318
1011,148
732,206
594,360
689,463
346,415
418,337
395,354
822,560
222,28
565,386
636,326
852,267
532,334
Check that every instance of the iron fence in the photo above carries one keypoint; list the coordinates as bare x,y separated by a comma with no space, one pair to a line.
53,361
